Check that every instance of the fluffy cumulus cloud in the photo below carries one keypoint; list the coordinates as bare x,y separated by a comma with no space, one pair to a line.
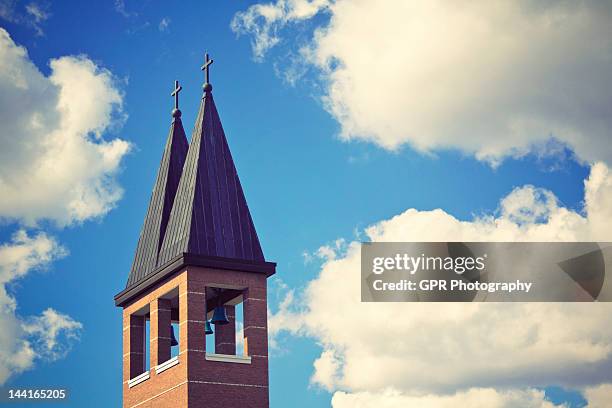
55,163
493,79
263,20
445,354
25,340
474,398
53,332
600,396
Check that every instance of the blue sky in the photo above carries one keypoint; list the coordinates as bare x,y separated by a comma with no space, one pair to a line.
306,186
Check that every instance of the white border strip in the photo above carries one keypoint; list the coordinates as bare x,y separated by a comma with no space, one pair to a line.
228,358
138,379
166,365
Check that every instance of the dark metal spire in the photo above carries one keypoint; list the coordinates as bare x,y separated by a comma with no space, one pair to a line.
162,198
198,214
210,216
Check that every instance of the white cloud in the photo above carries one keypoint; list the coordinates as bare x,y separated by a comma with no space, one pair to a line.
121,9
488,78
599,397
38,12
26,253
24,340
473,398
239,338
521,216
326,369
54,333
55,163
442,348
264,20
33,14
164,24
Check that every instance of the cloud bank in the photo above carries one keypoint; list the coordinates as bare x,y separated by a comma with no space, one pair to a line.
492,79
442,354
474,398
55,163
45,337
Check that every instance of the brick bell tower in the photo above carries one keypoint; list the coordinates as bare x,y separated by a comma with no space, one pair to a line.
198,266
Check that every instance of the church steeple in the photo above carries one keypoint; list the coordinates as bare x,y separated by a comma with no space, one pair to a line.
198,264
210,216
162,198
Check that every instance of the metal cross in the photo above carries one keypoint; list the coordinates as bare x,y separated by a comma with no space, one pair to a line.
206,67
175,93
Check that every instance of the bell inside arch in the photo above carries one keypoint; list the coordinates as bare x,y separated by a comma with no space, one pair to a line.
219,316
208,328
173,341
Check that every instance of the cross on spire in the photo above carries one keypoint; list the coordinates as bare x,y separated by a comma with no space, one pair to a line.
175,93
206,68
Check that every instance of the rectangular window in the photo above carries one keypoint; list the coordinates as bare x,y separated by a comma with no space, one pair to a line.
227,338
140,341
169,329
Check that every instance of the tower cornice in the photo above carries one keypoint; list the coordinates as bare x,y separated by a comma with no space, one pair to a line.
179,262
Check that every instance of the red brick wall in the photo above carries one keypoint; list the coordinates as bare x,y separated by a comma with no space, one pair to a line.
195,381
161,325
168,388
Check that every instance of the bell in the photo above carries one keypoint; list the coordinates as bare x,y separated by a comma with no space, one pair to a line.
173,341
219,316
208,328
